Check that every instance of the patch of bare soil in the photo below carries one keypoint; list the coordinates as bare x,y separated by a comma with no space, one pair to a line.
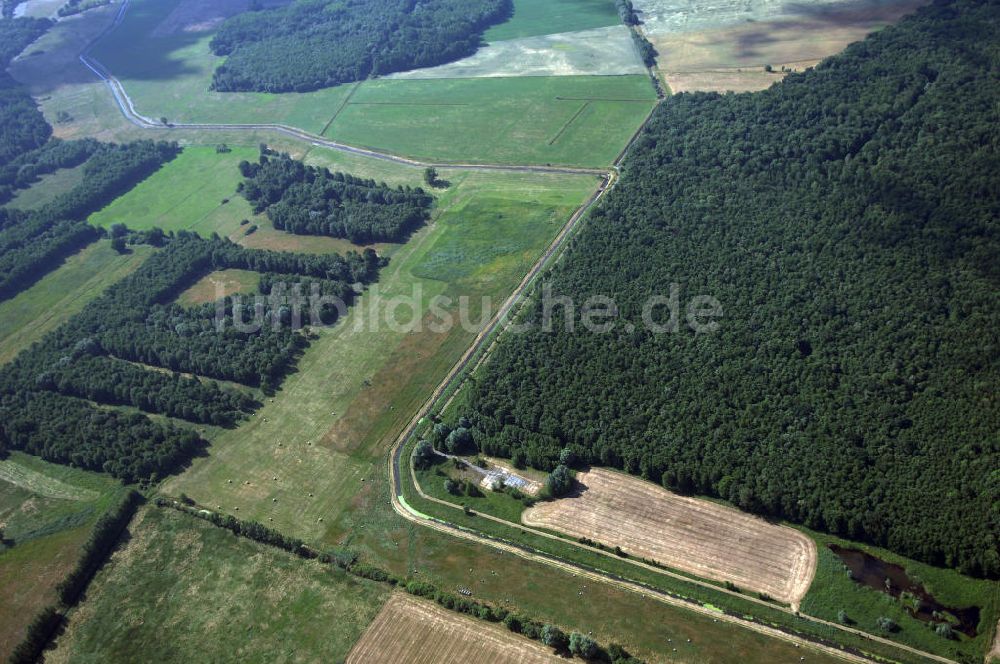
734,58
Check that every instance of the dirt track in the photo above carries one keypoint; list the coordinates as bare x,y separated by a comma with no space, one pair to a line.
688,534
420,632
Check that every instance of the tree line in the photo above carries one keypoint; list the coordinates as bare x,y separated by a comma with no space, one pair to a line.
549,634
845,219
312,44
99,355
94,354
25,169
22,125
307,200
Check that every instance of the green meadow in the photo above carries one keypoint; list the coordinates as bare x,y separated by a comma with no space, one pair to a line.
188,591
41,308
557,120
525,120
532,18
47,512
324,433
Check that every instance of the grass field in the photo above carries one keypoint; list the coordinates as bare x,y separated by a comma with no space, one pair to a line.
47,188
509,120
46,514
219,284
421,632
61,293
833,591
697,536
530,120
534,17
190,592
360,382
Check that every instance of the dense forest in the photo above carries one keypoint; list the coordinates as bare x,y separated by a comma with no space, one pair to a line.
846,220
312,44
100,353
32,243
22,126
307,200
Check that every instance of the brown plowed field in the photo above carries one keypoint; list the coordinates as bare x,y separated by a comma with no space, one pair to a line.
689,534
420,632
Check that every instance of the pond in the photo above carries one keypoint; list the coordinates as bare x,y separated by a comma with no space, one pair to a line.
892,579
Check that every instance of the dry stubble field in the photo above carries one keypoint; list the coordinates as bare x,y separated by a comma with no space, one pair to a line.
420,632
696,536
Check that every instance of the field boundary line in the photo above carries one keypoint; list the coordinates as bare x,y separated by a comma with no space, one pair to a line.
127,107
340,108
566,124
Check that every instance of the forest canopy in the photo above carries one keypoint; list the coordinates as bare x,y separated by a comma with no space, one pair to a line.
312,44
307,200
846,219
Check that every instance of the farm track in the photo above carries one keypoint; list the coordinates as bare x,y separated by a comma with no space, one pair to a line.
496,325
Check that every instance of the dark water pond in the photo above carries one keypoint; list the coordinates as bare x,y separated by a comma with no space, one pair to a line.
892,579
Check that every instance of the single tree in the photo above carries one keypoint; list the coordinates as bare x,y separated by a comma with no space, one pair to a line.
582,645
430,176
559,481
423,455
554,638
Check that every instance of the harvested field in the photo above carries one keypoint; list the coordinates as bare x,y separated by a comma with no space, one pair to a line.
689,534
727,47
419,632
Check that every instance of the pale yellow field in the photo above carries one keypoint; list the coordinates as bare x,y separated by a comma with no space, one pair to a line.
689,534
421,632
733,57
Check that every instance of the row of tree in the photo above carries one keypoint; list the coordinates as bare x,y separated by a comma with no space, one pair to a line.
846,222
22,126
25,169
312,44
69,431
307,200
95,354
32,243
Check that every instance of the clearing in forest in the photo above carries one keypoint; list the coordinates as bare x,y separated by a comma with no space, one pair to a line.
689,534
420,632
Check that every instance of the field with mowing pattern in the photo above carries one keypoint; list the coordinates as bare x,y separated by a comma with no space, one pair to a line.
560,120
689,534
188,591
421,632
61,293
47,512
